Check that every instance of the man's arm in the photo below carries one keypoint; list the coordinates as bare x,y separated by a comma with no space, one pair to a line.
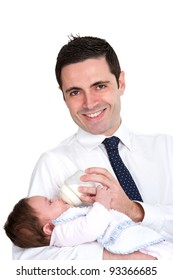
86,251
44,182
133,256
138,211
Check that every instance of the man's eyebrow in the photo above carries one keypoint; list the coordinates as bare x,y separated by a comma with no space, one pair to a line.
99,82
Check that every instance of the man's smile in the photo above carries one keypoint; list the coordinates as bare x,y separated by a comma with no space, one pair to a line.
94,116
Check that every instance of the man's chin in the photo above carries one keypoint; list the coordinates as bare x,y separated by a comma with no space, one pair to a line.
96,131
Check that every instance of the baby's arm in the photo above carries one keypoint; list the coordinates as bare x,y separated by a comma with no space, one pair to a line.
103,196
86,228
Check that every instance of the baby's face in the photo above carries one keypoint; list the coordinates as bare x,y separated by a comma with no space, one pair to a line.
48,209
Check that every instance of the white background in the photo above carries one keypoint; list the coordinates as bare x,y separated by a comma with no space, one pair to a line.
33,116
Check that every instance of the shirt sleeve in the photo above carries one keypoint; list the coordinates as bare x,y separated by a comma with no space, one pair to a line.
159,218
83,229
86,251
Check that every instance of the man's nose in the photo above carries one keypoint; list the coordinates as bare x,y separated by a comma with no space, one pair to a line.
89,100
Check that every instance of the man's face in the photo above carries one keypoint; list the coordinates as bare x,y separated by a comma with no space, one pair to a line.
92,95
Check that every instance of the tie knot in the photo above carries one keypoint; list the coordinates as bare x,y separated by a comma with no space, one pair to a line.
111,142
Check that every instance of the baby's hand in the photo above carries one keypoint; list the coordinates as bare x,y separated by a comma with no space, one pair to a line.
103,196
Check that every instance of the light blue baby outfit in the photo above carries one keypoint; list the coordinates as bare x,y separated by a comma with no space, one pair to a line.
119,233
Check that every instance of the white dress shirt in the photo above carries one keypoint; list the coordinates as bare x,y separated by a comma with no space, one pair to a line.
149,159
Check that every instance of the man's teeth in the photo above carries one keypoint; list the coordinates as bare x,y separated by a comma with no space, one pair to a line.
94,114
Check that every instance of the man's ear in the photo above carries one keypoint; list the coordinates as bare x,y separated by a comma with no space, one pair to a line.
62,92
121,81
48,228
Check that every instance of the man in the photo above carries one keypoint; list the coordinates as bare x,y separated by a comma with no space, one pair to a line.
92,83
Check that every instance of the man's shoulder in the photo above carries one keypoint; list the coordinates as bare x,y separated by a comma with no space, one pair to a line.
64,144
151,138
157,135
57,155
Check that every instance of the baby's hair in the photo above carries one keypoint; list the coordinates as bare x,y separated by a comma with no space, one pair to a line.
24,228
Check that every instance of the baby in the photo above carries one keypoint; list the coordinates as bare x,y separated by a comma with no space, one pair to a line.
39,221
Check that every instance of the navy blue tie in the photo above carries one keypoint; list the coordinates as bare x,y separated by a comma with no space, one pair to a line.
122,173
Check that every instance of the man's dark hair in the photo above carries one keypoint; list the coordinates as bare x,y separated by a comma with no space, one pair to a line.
24,228
81,48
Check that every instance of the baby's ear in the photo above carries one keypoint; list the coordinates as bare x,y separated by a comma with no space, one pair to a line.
48,228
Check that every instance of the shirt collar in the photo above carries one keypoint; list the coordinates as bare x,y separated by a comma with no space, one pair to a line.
90,141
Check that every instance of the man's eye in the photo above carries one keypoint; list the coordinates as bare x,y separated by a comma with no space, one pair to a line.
74,93
101,86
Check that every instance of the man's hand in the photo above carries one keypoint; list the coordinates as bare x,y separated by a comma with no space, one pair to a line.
133,256
119,200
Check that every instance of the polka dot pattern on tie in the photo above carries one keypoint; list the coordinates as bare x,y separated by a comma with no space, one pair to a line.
122,173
